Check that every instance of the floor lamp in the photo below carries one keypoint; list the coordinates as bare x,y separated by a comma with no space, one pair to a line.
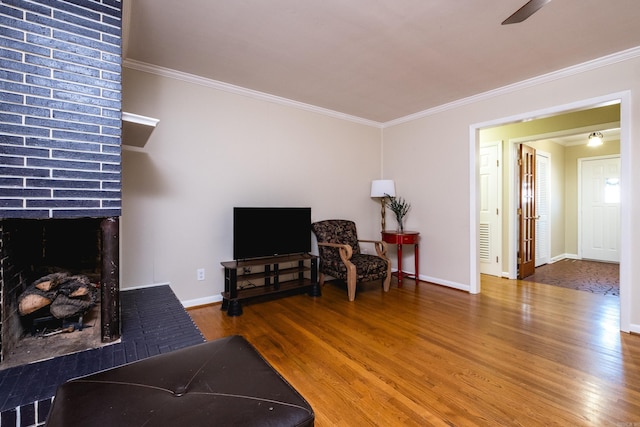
383,188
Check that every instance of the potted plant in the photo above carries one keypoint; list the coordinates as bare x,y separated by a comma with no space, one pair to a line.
400,207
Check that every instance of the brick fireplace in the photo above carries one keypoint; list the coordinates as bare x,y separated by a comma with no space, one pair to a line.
60,148
31,249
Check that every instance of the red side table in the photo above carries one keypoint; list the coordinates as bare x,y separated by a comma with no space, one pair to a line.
404,238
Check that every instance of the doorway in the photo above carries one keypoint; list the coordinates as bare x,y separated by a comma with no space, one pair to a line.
623,100
563,191
589,206
566,147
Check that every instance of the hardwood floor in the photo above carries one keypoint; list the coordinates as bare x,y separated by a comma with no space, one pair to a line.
518,354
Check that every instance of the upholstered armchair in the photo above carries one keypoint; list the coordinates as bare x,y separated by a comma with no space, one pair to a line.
340,255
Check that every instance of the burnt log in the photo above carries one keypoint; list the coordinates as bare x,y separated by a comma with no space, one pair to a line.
50,281
75,296
67,296
40,293
33,301
63,306
74,283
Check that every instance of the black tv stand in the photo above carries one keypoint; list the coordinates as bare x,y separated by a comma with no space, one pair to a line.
268,281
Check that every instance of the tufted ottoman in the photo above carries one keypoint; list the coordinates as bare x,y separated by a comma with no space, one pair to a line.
225,382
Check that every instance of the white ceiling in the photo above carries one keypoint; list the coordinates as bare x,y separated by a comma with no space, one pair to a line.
373,59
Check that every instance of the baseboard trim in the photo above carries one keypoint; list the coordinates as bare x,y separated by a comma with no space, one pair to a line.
186,303
438,281
218,298
563,256
152,285
447,283
201,301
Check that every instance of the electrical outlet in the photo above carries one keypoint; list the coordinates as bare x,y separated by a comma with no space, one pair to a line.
200,273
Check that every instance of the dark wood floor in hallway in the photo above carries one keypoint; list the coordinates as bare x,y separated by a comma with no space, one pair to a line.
583,275
518,354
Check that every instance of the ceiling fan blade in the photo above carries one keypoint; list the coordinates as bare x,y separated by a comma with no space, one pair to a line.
531,7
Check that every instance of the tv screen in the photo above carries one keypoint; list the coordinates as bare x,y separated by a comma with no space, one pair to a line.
262,232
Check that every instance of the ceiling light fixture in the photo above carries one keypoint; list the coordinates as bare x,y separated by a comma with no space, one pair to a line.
595,139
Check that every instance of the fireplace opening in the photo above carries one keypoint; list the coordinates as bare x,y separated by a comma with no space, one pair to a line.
49,268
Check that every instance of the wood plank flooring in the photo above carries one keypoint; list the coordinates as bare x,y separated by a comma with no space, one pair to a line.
518,354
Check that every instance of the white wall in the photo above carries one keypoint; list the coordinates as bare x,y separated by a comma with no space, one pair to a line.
429,157
214,150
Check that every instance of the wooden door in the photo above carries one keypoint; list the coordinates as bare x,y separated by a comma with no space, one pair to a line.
527,212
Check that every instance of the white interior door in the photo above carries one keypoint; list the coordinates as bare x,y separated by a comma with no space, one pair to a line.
543,210
600,208
490,215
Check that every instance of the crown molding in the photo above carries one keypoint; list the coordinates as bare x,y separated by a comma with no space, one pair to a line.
238,90
545,78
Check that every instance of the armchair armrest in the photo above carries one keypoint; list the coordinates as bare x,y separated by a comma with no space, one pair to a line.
346,252
381,247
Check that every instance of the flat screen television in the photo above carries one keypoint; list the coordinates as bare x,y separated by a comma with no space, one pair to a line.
269,231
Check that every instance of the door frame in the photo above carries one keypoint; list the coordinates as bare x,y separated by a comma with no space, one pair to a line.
624,98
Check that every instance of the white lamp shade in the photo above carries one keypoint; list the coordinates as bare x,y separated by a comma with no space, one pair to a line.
382,188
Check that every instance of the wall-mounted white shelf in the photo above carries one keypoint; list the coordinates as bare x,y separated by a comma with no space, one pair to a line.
136,129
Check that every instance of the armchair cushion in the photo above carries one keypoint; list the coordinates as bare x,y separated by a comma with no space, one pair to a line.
368,267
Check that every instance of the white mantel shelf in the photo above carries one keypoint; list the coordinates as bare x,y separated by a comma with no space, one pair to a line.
136,129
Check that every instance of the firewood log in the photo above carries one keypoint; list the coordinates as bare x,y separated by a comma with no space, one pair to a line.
50,281
63,306
29,303
80,292
44,286
72,284
67,295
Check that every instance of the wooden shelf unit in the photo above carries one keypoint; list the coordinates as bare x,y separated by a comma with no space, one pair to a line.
270,277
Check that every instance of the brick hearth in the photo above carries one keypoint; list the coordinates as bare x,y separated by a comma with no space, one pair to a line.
153,322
